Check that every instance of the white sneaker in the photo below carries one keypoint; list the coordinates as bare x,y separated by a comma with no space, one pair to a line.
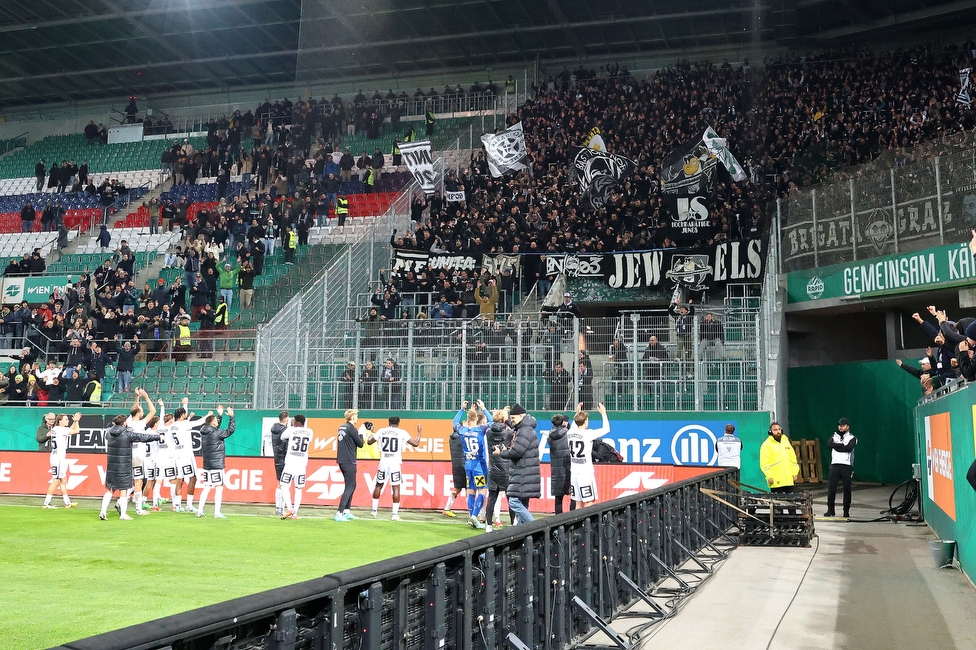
487,529
200,513
373,513
396,518
125,517
141,513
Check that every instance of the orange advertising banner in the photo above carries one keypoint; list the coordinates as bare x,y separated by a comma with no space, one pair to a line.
426,484
938,456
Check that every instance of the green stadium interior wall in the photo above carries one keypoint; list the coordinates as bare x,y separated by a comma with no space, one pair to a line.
949,501
876,396
18,426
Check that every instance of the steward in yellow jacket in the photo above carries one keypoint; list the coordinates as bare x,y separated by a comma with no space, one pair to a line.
777,460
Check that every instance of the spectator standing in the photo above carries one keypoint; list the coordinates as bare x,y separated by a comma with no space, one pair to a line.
27,216
683,315
559,380
712,339
40,173
728,448
228,282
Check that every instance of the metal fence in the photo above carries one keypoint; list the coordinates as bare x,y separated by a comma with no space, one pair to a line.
470,594
910,206
635,362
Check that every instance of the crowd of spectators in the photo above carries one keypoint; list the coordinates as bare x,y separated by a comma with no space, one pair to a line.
950,353
789,121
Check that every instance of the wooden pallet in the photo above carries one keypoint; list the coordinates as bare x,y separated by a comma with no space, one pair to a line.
808,457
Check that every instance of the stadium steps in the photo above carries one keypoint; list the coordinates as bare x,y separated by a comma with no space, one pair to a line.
204,382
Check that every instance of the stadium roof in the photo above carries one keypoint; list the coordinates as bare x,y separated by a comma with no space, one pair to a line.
54,51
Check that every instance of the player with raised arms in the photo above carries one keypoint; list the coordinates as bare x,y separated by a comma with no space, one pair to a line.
181,434
214,453
472,433
59,436
582,487
137,422
391,441
118,474
298,438
165,458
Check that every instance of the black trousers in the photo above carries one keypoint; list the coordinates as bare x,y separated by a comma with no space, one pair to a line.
349,478
490,509
838,473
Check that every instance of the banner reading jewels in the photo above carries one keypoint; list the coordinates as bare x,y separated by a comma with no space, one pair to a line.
705,268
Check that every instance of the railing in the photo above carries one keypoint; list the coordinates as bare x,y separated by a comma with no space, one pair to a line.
9,144
437,363
913,205
473,593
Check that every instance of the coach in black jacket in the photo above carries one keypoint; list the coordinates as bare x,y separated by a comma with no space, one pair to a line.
349,441
559,461
279,448
118,474
214,452
524,479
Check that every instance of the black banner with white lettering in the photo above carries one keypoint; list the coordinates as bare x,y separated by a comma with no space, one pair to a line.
688,184
597,173
708,268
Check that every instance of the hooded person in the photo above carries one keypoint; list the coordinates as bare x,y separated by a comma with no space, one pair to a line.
524,478
499,435
214,453
118,475
559,461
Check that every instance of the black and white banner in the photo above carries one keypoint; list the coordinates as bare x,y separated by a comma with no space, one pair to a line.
416,156
506,150
963,96
597,173
454,197
418,261
498,264
696,269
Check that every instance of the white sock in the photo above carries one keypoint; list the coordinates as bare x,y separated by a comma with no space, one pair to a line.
202,501
174,496
189,500
157,489
177,500
64,497
298,499
278,498
450,502
396,509
47,500
137,500
286,498
123,503
106,499
218,498
376,505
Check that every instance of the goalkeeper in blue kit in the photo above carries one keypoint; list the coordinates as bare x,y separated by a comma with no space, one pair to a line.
472,431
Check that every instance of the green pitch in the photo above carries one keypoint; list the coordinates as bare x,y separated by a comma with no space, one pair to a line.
67,575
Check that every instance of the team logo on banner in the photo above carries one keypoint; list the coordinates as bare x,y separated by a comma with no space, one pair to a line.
416,156
506,150
690,271
597,173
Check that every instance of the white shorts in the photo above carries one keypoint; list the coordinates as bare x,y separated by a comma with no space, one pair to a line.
389,473
213,477
293,474
186,467
138,471
582,487
59,468
152,471
138,461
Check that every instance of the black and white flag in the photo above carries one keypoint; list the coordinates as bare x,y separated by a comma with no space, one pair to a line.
963,96
416,156
598,173
505,150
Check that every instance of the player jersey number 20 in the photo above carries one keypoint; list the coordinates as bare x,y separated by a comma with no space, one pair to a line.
390,445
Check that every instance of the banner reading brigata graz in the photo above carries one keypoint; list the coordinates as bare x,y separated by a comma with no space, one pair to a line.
932,268
706,267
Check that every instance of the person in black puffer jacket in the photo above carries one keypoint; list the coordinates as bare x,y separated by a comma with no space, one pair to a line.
279,448
118,475
214,452
559,461
498,436
524,478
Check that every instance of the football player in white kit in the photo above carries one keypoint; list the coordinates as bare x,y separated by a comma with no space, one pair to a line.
59,437
582,485
165,458
392,440
180,433
137,422
299,438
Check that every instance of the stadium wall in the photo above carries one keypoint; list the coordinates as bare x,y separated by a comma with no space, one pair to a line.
876,396
945,445
683,439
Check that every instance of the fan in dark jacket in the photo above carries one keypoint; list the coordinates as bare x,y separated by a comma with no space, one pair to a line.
499,435
559,461
524,478
213,451
118,476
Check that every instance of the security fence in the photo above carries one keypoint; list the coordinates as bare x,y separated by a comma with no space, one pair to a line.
527,581
908,207
641,360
